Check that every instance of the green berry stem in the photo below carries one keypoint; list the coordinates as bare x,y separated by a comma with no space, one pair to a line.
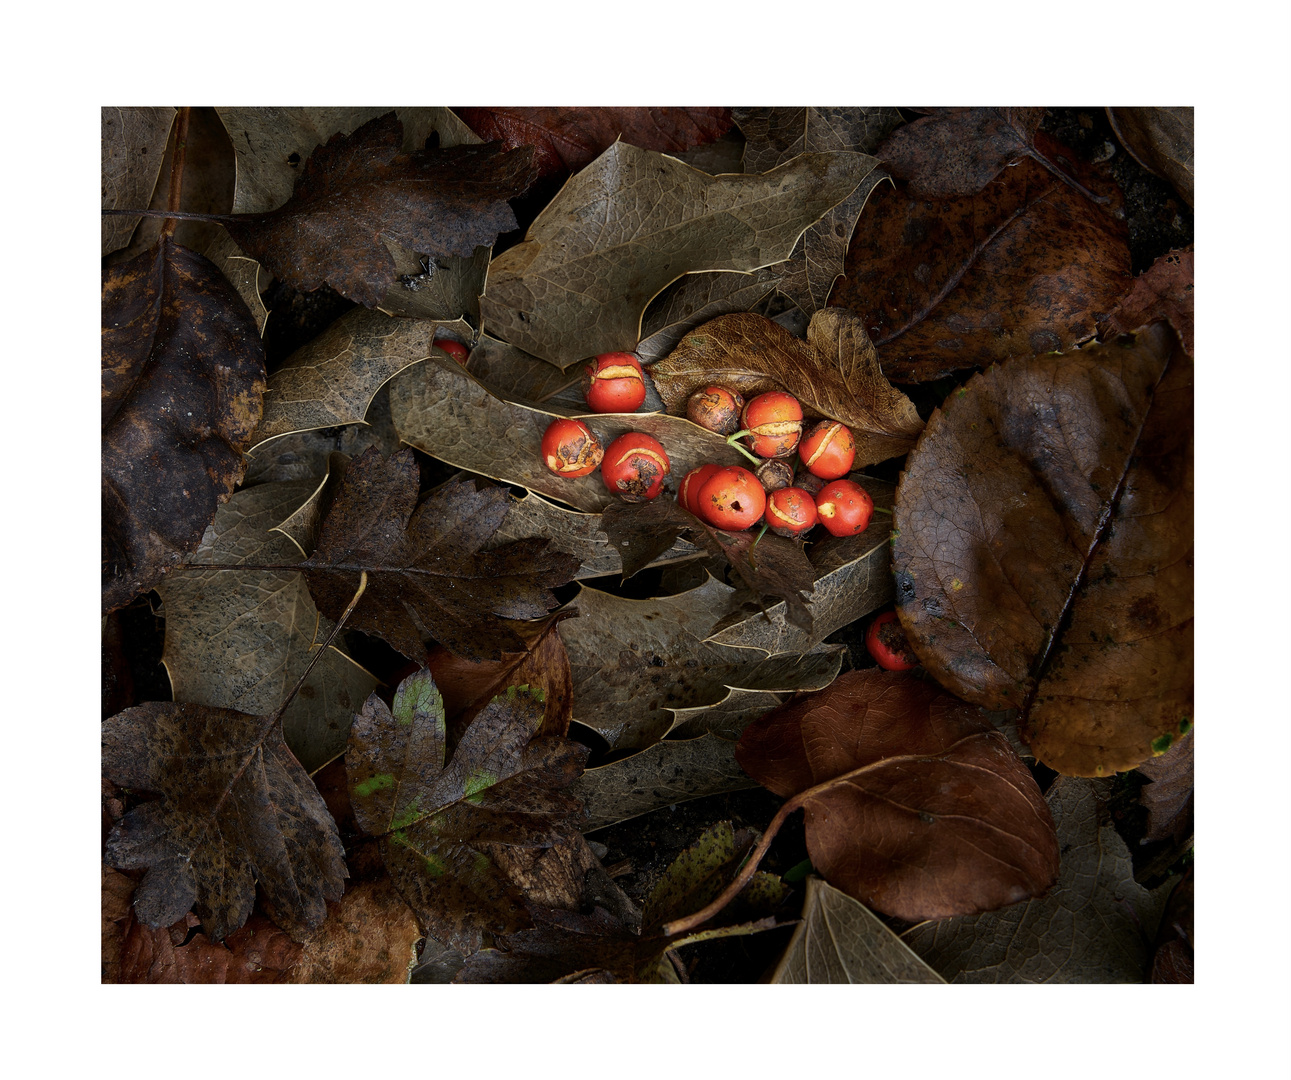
740,446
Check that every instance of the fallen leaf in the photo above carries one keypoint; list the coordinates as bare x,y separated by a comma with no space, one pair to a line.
1043,549
696,299
1159,139
257,953
1172,960
1026,266
433,813
236,812
427,576
513,375
1168,794
445,288
240,638
183,376
633,221
133,144
1163,291
1094,926
923,809
835,374
840,941
370,937
117,890
246,275
358,191
767,565
727,719
566,139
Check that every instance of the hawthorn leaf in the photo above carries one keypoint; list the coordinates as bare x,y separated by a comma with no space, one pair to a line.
633,221
920,810
434,813
427,574
567,139
834,374
359,191
302,525
1094,926
633,661
839,940
1043,549
1163,291
1159,139
183,377
439,408
1026,266
1168,794
240,638
369,938
236,812
133,144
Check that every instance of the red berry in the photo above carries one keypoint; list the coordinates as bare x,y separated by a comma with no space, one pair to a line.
774,423
715,408
613,383
790,511
634,467
570,448
887,643
844,507
688,492
732,498
828,450
455,349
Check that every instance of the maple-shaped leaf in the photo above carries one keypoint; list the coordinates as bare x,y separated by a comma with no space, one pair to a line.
435,815
427,576
361,190
237,810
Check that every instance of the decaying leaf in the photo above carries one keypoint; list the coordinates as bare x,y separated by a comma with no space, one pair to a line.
696,299
1163,291
434,813
257,952
633,221
427,576
921,808
236,812
1168,795
183,377
1043,549
840,941
835,374
1159,139
1025,266
513,375
370,937
133,145
1172,960
1094,926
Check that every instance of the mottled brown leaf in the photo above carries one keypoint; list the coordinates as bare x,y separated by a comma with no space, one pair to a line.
236,811
427,576
1159,139
696,299
133,145
1026,266
435,814
1043,549
834,373
566,139
923,809
767,565
257,953
1168,794
370,937
1163,291
183,377
359,191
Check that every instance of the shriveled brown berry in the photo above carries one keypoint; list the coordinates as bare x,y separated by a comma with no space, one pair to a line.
774,474
715,408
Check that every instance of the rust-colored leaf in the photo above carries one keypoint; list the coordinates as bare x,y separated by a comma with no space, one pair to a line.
1043,549
1163,291
922,811
183,378
427,576
566,139
1026,266
257,953
1159,139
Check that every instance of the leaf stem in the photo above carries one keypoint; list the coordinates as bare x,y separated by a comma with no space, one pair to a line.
732,439
177,160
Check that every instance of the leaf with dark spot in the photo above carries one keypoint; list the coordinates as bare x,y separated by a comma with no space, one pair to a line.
427,576
919,807
183,379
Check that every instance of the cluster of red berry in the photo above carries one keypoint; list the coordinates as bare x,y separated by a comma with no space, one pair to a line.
767,429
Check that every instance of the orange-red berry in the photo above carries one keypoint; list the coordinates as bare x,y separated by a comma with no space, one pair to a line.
790,511
774,423
454,348
887,643
715,408
613,382
634,467
732,498
844,508
828,450
571,448
688,490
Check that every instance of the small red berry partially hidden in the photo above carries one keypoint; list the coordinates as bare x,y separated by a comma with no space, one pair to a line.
715,408
844,507
613,382
828,450
571,448
774,424
732,499
887,643
455,349
790,511
634,467
688,491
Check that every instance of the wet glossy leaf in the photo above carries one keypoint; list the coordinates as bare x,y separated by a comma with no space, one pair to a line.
183,377
133,146
1163,291
1161,140
923,809
1043,554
